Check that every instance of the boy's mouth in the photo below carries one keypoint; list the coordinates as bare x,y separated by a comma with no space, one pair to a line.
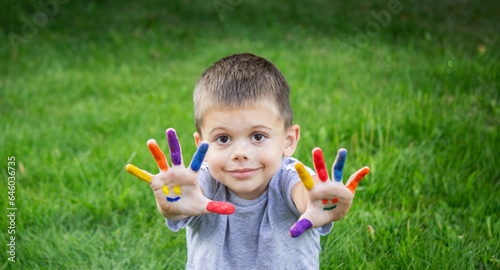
243,173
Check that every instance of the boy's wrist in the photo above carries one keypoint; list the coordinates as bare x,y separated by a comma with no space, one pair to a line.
168,215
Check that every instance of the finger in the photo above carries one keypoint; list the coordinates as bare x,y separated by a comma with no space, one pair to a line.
144,176
175,147
304,176
319,164
199,156
356,177
338,165
300,227
223,208
158,155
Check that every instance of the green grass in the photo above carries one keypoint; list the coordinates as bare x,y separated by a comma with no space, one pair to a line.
418,103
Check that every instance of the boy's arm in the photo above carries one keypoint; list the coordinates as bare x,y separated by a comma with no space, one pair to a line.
320,200
177,191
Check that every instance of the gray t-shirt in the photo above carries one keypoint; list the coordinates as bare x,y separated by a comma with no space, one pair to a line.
256,235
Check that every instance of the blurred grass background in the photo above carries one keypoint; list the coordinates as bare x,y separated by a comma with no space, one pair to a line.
84,84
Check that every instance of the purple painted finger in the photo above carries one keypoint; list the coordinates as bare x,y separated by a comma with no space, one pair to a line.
300,227
175,147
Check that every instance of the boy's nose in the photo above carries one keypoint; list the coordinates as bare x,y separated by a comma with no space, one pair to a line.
240,152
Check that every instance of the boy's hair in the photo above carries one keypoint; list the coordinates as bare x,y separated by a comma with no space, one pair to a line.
242,79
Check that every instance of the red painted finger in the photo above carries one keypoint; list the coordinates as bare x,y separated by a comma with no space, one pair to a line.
223,208
158,155
319,164
359,176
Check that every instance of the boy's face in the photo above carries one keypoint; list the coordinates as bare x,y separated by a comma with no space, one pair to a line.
246,147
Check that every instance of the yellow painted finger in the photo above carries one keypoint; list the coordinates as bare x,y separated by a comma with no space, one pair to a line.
138,173
304,176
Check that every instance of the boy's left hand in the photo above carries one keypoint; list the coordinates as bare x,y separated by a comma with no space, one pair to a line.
327,200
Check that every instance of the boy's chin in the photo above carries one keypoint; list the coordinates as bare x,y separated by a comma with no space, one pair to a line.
248,193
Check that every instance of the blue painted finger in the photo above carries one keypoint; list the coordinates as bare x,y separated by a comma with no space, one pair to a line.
175,147
338,165
199,156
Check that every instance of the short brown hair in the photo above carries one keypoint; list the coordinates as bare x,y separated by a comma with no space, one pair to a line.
242,78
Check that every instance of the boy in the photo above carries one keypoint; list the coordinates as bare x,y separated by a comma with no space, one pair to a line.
242,193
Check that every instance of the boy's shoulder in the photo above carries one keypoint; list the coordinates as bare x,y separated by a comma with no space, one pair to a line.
288,164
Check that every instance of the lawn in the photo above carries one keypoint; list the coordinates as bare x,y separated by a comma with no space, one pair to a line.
409,88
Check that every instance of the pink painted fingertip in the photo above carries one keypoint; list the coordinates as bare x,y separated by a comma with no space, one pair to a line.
151,141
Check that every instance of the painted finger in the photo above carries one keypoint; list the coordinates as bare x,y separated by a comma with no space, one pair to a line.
175,147
223,208
338,165
304,176
158,155
300,227
199,156
144,176
356,177
319,164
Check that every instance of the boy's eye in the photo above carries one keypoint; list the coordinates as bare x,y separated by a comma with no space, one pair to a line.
223,139
258,137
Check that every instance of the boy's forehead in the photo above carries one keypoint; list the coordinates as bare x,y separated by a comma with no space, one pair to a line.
254,112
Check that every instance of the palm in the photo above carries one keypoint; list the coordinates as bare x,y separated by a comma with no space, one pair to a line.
176,188
328,200
179,197
323,205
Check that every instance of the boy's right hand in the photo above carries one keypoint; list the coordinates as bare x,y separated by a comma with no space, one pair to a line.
178,194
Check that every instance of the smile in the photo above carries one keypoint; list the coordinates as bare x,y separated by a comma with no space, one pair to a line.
330,208
173,199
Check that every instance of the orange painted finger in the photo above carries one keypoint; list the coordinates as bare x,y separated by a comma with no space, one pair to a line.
158,155
358,177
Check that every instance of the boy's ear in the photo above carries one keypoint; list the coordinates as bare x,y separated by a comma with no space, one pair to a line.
291,140
197,139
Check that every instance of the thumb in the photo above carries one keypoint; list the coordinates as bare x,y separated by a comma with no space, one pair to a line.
301,226
223,208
